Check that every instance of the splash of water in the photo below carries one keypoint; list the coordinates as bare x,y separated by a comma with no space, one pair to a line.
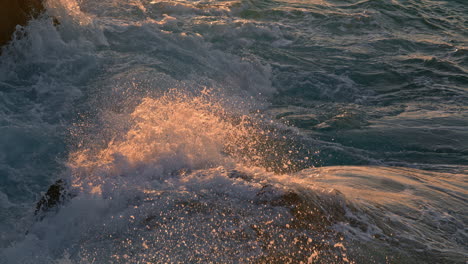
174,132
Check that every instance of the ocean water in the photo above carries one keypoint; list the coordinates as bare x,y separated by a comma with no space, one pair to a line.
243,131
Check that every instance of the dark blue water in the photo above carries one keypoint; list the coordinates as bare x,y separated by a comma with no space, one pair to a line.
237,131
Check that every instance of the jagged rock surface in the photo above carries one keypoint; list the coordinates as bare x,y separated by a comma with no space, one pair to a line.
16,12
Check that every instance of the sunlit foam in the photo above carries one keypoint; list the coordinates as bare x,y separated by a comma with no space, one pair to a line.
64,9
173,132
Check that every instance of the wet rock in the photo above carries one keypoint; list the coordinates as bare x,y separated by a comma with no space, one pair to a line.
309,235
235,174
313,212
56,195
16,12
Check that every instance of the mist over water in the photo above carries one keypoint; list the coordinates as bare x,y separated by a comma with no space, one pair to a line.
237,132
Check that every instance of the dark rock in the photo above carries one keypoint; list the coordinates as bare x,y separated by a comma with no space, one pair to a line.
235,174
56,195
309,232
16,12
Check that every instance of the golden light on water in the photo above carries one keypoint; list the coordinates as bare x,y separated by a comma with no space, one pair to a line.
172,132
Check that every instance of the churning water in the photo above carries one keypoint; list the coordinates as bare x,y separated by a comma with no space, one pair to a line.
244,131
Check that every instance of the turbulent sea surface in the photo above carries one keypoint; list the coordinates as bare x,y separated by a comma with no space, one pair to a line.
243,131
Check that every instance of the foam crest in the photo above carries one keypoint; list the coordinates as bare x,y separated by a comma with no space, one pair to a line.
72,20
166,134
64,9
